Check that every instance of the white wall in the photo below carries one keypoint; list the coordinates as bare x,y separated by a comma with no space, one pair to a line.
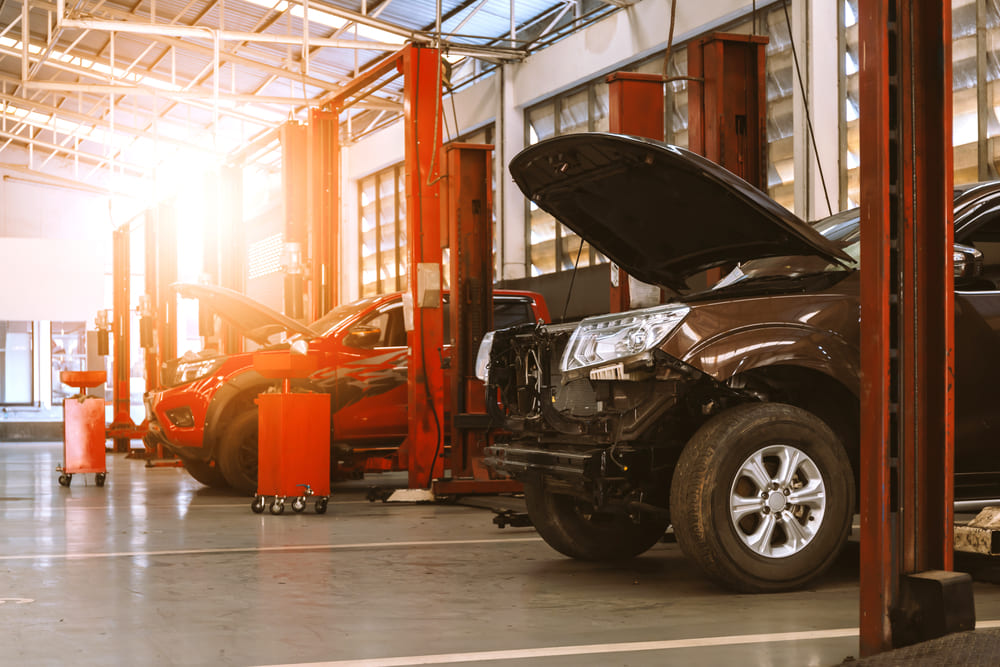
51,279
54,248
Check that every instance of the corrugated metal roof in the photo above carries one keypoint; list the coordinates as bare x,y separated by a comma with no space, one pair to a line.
164,84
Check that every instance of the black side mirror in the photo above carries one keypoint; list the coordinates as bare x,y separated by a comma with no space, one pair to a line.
363,336
968,262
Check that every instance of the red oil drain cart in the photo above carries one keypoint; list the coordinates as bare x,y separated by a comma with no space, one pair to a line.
293,440
83,428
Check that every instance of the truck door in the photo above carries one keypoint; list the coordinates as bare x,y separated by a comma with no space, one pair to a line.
369,397
977,354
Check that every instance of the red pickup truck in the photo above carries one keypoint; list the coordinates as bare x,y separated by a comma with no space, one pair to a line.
204,410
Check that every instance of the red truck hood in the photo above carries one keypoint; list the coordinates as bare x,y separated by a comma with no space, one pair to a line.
250,318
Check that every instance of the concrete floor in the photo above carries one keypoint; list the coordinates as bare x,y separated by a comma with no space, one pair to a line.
155,569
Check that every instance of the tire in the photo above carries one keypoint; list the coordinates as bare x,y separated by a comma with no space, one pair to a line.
206,473
237,455
766,542
571,527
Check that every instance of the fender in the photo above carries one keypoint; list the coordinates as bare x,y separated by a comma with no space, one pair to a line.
228,393
791,344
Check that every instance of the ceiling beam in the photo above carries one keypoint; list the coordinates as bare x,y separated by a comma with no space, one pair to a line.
45,178
187,95
195,47
96,160
84,119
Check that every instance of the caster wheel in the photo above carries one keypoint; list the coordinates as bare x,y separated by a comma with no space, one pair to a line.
258,504
278,507
64,479
298,504
321,505
100,478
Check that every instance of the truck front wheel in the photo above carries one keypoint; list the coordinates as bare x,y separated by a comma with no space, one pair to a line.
762,497
573,528
206,473
237,455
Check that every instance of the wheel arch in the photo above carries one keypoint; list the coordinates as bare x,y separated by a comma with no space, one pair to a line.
232,398
744,350
816,392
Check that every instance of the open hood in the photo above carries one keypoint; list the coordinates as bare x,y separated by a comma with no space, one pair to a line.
250,318
660,212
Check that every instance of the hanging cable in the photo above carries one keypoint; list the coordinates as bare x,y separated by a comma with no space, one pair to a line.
437,98
805,104
670,42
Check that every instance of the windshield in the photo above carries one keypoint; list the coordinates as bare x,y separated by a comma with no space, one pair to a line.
841,228
335,317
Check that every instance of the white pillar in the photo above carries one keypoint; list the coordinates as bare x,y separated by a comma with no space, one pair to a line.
815,35
510,204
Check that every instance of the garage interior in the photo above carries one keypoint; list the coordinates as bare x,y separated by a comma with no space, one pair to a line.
162,160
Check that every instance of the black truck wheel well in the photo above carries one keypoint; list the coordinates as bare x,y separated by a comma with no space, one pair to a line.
817,393
231,399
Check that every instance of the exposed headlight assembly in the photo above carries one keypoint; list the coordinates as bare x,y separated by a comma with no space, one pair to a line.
194,370
483,356
598,341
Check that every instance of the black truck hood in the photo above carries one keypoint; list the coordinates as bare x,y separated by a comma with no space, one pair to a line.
250,318
660,212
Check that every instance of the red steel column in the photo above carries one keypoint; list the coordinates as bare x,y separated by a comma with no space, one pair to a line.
294,185
878,567
121,277
467,210
907,322
727,106
727,109
233,254
928,291
324,209
636,107
421,68
151,355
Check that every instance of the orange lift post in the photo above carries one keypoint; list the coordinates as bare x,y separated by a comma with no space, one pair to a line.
636,107
423,124
423,451
294,184
908,592
122,429
467,229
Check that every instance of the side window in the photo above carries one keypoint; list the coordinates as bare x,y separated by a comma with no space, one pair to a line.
395,333
985,238
510,312
388,322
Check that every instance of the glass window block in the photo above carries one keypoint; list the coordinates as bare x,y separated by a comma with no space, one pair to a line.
572,249
780,77
69,353
541,123
16,363
574,113
599,113
543,258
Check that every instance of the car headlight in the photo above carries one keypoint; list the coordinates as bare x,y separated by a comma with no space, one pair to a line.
483,356
605,338
193,370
